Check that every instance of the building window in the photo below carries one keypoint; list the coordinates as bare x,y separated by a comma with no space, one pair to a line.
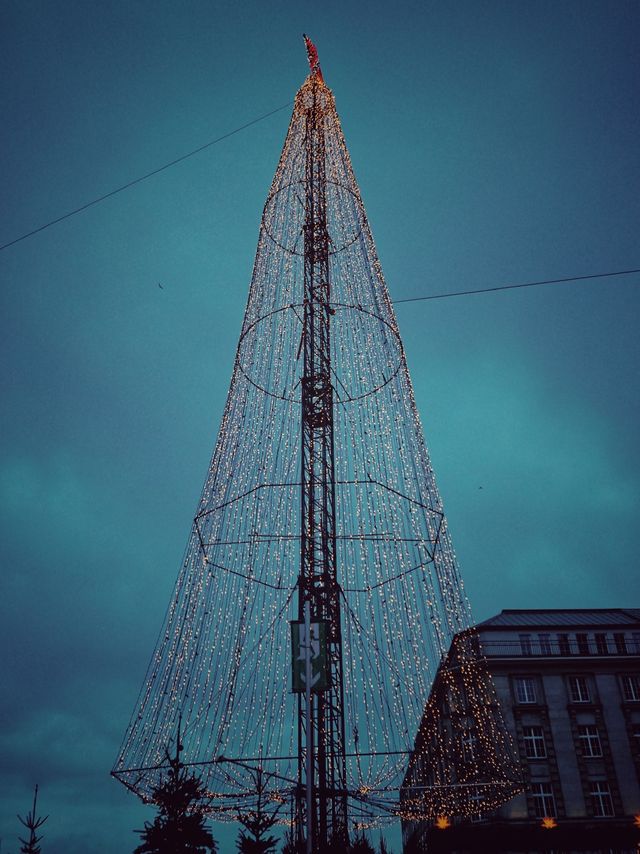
545,644
589,740
635,642
563,645
525,689
601,799
583,643
578,689
620,642
534,746
525,644
631,687
601,644
544,804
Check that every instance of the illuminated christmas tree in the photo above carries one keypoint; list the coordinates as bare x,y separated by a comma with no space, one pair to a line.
319,592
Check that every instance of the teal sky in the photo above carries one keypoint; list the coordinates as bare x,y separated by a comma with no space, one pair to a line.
494,143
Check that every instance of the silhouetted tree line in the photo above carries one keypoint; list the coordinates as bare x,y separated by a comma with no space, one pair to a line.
180,826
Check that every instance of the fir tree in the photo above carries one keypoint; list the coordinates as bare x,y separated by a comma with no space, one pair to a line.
179,828
361,845
257,823
30,845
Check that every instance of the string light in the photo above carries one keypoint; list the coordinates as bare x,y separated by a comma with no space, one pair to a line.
222,663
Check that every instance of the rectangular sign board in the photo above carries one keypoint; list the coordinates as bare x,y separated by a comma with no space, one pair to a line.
318,655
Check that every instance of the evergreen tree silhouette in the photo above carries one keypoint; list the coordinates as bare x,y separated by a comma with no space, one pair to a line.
257,822
30,845
179,828
361,845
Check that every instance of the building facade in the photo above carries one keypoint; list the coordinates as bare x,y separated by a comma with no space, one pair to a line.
569,686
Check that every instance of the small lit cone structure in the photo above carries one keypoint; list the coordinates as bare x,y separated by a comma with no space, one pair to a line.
393,597
463,763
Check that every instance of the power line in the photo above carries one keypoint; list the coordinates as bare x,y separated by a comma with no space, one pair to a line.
144,177
248,124
513,287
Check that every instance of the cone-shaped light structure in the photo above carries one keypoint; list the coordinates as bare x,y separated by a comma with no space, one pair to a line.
320,493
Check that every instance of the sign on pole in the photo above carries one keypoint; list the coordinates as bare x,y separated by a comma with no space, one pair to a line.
318,656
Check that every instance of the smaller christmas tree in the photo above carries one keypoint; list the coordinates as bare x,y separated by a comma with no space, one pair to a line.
258,822
179,827
30,845
361,845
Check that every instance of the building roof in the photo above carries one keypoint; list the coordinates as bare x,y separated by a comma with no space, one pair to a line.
580,617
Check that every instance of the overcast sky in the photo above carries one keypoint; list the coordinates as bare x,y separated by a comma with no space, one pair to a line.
494,143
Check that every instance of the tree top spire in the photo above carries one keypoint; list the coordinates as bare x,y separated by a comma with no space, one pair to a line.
314,62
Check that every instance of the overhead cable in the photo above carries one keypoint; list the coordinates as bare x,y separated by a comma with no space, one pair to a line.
513,287
144,177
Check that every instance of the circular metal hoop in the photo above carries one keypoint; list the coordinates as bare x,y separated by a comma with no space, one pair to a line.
368,321
293,202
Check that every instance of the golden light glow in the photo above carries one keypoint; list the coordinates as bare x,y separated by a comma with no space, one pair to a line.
636,820
442,822
548,823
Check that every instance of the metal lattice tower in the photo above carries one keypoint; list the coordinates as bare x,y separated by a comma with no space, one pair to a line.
322,722
320,509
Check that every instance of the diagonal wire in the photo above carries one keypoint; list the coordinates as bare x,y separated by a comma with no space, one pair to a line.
144,177
513,287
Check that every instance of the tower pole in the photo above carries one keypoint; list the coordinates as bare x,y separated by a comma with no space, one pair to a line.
322,764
